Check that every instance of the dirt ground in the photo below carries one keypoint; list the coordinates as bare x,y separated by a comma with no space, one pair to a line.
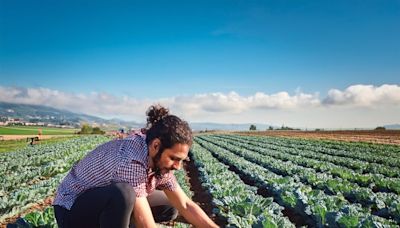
381,137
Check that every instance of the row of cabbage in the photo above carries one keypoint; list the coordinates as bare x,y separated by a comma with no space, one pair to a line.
45,218
337,166
31,174
372,154
381,177
380,203
233,199
290,191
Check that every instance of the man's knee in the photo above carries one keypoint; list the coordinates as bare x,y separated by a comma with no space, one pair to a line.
125,193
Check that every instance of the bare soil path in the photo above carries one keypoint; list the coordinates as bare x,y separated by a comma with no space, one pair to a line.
391,137
201,196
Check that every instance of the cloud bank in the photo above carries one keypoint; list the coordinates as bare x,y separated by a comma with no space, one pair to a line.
203,107
364,96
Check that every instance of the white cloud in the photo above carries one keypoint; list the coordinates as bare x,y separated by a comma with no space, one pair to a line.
364,96
235,104
98,104
106,104
339,108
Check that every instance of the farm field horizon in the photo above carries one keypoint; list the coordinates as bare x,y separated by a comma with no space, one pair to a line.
34,130
368,136
246,180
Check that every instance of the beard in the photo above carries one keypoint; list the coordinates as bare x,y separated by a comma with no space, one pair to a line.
157,170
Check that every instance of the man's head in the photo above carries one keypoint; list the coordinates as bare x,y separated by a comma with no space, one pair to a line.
167,159
168,138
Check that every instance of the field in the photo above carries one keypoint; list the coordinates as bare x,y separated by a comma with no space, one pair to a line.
372,136
15,137
239,180
34,130
311,182
11,145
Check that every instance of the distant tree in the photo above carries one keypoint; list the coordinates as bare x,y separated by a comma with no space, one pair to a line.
253,127
286,128
86,129
380,128
270,128
98,131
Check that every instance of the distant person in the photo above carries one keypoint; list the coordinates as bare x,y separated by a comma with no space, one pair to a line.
121,134
39,133
120,182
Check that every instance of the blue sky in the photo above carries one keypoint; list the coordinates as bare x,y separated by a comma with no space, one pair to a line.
164,50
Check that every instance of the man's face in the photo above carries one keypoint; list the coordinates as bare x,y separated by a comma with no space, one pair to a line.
171,159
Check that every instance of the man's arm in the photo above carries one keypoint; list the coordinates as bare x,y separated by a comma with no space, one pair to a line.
189,209
142,213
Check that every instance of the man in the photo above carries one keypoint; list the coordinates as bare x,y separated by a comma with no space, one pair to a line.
116,184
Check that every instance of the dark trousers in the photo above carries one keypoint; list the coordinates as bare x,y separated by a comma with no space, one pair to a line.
111,206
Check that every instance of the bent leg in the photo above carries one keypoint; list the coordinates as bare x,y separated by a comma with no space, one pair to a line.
61,215
109,206
160,207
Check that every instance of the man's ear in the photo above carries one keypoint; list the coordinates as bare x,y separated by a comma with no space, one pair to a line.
155,146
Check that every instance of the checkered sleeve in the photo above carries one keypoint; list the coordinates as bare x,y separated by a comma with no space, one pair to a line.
168,182
134,173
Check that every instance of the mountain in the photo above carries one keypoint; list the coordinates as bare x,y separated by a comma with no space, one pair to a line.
49,115
392,126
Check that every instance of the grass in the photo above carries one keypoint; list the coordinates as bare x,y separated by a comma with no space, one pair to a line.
12,145
34,130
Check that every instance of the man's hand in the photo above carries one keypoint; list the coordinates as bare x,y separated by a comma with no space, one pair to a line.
189,209
142,213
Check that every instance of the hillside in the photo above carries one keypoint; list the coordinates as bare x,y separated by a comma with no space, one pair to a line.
49,115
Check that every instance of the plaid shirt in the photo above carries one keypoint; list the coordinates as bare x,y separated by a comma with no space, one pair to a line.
124,160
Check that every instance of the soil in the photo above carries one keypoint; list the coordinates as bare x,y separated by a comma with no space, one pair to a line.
201,196
391,137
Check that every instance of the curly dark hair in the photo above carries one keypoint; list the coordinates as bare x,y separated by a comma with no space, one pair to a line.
169,129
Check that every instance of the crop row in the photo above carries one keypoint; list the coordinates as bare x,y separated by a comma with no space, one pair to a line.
28,180
333,210
384,204
357,166
45,217
236,201
387,155
376,182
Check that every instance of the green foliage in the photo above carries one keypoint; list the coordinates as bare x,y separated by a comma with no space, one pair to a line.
329,181
33,173
34,130
42,219
98,131
348,221
87,129
286,128
12,145
253,127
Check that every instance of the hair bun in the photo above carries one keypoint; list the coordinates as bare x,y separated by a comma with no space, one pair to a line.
156,113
